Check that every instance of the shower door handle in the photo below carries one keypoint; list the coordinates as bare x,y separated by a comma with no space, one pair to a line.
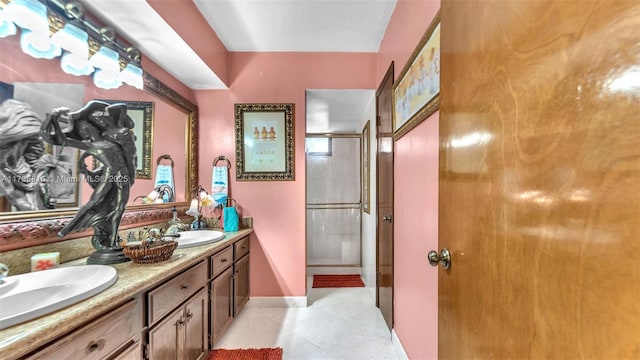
387,218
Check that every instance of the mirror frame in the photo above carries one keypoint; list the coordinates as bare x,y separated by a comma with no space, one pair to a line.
157,88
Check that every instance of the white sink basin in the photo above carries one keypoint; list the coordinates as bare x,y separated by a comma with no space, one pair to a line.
28,296
198,237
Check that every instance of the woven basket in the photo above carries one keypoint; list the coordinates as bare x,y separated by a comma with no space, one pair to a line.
150,254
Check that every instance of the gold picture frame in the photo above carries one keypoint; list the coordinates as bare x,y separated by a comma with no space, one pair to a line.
141,112
366,166
416,94
265,146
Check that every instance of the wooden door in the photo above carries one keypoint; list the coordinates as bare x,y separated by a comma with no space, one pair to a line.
240,284
221,304
196,326
540,180
384,196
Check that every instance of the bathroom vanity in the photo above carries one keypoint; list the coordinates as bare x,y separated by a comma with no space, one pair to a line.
176,309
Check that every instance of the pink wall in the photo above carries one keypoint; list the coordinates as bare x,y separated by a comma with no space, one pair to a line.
416,196
278,255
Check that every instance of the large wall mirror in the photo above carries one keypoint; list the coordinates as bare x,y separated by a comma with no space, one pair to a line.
171,125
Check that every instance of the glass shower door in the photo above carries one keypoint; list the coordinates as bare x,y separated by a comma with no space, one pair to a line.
333,201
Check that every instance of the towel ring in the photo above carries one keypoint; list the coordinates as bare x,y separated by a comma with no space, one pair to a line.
165,156
222,158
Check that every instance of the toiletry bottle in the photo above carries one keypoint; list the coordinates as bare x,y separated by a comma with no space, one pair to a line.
174,219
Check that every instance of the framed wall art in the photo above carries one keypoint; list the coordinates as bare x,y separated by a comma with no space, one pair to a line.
141,112
265,148
416,94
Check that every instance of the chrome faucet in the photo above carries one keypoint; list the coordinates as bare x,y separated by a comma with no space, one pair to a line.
175,228
175,225
4,272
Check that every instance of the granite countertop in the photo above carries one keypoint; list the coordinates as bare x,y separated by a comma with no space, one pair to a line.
133,279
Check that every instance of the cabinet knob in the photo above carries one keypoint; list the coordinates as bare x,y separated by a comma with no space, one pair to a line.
180,322
95,346
189,314
184,286
223,260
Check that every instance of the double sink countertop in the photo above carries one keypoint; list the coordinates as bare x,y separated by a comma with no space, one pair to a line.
21,339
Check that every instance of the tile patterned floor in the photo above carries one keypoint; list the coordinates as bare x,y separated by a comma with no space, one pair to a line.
338,323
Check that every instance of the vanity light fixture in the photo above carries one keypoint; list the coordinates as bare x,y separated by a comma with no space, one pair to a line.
195,207
132,72
38,45
106,61
54,28
28,14
32,17
74,40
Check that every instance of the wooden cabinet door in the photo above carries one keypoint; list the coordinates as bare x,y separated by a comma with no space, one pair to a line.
241,284
196,331
165,341
221,305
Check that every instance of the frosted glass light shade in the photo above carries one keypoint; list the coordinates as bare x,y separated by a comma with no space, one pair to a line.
132,75
106,59
193,209
75,64
7,28
38,45
73,39
28,14
106,80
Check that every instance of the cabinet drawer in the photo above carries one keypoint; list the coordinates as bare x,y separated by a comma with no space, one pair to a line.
221,261
240,248
168,296
101,338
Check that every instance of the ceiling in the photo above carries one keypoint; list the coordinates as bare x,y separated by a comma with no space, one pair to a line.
298,25
338,110
258,26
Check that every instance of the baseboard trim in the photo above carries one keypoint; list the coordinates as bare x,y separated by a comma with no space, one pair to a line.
397,345
277,301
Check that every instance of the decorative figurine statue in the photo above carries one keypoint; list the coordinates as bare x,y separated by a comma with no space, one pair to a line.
103,131
26,172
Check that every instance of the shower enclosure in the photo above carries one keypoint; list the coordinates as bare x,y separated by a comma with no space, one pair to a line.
333,200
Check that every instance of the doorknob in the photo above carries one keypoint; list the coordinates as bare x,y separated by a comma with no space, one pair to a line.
444,258
387,218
